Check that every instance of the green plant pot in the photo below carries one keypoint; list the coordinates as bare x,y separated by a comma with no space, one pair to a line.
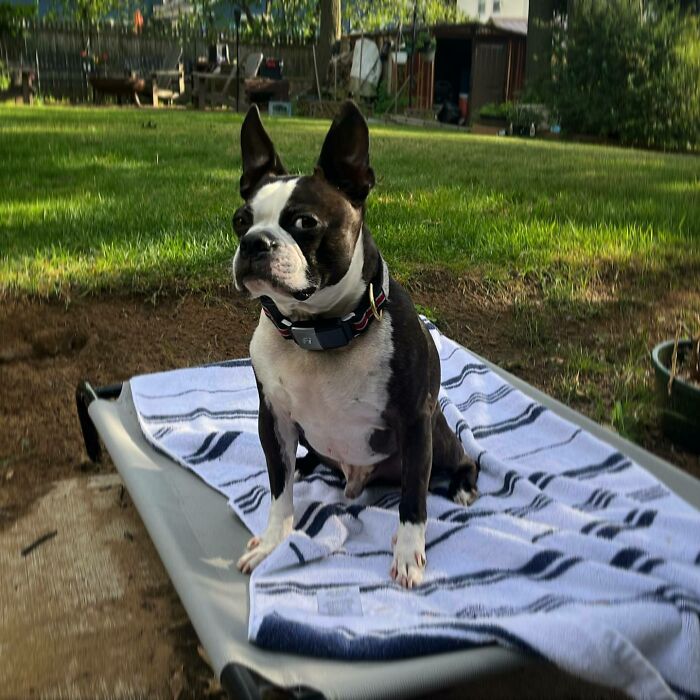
680,410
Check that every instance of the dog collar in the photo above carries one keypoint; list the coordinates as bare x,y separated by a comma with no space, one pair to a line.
331,333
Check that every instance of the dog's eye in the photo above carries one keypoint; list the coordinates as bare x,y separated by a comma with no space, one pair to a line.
241,222
305,223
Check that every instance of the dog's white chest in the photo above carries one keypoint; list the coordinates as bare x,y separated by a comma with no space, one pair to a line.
337,398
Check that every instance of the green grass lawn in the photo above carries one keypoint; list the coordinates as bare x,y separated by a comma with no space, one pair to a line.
564,262
96,199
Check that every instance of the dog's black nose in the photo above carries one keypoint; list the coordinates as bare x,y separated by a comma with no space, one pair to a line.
257,244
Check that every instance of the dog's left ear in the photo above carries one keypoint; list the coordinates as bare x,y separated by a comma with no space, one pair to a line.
344,159
259,155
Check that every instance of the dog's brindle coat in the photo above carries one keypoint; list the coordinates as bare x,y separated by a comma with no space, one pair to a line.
370,408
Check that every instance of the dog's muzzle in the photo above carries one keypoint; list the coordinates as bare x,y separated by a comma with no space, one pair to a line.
257,245
261,255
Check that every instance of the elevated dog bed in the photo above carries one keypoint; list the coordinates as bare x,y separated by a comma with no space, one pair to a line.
631,532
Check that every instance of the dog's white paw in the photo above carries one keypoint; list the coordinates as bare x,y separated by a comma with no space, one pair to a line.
465,498
409,554
258,548
254,555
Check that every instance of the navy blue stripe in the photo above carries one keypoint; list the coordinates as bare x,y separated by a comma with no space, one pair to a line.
614,463
480,397
611,530
306,515
195,391
162,432
625,558
242,479
297,551
607,464
243,498
252,506
552,446
336,481
546,533
649,493
586,529
276,633
526,419
329,511
540,567
561,568
473,368
449,357
388,500
631,515
509,481
197,413
697,560
648,566
506,421
203,447
222,444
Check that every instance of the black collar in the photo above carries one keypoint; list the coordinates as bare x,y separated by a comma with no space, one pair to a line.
331,333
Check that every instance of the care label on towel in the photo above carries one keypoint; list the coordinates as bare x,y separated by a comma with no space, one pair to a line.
339,602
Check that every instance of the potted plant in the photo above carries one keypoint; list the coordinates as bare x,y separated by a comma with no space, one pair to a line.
677,377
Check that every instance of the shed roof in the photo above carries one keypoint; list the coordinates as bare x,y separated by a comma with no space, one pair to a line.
514,25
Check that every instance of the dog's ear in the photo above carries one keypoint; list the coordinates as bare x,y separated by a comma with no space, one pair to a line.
259,155
344,159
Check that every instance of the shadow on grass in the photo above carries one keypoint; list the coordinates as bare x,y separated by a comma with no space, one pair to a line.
90,193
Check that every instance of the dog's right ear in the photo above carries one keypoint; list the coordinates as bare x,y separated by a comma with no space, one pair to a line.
259,155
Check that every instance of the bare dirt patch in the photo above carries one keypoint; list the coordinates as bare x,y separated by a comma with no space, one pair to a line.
580,355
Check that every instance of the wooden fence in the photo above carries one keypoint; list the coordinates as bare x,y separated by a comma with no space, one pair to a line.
54,51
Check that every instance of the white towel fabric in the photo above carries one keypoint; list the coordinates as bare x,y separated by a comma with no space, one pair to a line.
572,553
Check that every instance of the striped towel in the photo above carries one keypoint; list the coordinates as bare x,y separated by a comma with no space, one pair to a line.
572,553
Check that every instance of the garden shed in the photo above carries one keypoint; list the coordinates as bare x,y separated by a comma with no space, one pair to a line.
487,61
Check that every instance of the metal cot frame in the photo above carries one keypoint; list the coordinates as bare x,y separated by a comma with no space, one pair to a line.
198,540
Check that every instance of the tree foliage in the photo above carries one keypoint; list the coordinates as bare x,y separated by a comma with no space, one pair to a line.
86,12
13,17
371,15
629,71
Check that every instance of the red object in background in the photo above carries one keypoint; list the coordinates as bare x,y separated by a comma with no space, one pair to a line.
464,105
138,21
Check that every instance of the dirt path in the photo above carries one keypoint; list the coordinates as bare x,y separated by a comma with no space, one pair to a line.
130,617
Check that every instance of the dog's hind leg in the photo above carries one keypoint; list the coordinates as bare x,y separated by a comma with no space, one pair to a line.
450,459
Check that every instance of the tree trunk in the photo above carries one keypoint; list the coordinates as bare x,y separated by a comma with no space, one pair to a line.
538,63
329,33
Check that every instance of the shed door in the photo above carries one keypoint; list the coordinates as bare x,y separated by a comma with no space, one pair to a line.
489,75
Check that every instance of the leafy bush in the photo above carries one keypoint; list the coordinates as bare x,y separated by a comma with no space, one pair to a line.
4,77
629,74
496,111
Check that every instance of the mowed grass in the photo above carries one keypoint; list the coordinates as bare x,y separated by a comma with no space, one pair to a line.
94,199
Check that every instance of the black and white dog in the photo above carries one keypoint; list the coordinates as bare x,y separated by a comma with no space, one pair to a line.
343,364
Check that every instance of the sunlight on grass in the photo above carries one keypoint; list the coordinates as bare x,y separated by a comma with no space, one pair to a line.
121,198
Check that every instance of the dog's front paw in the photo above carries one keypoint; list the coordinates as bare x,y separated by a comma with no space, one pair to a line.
409,554
260,547
256,550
